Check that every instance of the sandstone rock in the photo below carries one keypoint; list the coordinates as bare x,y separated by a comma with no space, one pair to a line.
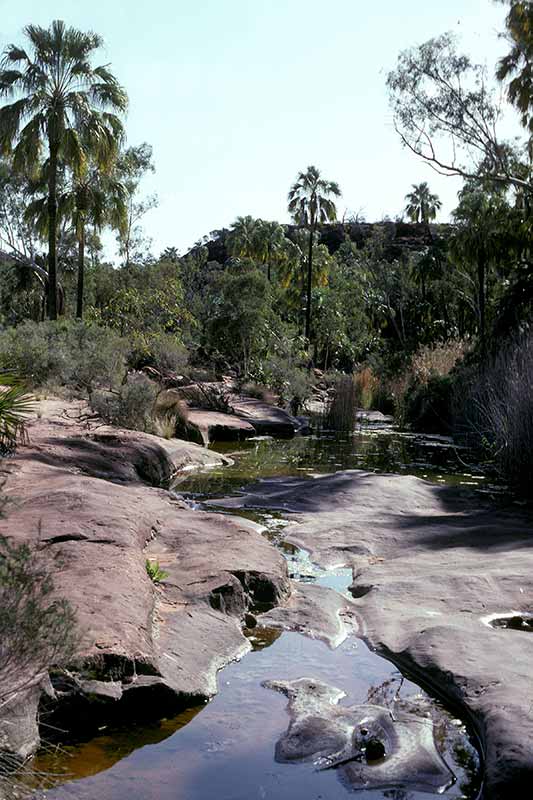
351,738
315,611
85,500
430,563
266,419
215,427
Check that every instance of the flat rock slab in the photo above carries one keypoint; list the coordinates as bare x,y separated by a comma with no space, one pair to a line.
430,563
266,419
214,426
315,611
370,748
83,499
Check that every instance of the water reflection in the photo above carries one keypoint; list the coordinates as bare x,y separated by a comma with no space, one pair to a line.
433,458
227,751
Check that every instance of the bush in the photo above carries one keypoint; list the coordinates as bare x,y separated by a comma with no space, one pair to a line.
37,631
75,354
437,360
286,379
132,406
161,351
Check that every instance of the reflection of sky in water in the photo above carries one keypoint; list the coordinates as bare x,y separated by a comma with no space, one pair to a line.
226,751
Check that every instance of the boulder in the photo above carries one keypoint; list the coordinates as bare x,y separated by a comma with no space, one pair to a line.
213,426
266,419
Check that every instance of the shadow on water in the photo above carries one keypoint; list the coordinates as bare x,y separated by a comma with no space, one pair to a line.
227,751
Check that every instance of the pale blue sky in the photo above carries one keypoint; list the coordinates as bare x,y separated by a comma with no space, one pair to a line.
236,96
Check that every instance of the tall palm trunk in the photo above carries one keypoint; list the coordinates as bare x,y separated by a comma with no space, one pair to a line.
52,225
309,281
81,269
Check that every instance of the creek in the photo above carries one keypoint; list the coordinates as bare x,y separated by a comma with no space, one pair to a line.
225,749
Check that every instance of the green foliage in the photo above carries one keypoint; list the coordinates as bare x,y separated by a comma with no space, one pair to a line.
132,406
155,572
15,404
37,630
164,352
422,205
237,330
73,354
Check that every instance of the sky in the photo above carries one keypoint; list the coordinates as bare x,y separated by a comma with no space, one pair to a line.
237,96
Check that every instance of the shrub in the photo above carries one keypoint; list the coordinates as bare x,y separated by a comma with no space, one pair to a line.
37,631
75,354
132,406
162,351
437,360
286,378
366,384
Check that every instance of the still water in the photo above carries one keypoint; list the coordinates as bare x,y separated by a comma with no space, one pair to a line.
224,750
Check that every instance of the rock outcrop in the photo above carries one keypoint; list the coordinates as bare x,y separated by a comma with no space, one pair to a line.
430,565
86,499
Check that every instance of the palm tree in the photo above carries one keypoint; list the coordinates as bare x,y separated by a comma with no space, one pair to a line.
272,245
310,203
422,205
97,198
480,241
243,237
63,106
515,67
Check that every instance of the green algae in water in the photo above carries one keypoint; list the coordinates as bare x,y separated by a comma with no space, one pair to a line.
432,458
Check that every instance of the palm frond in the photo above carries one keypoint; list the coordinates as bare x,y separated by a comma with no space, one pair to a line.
15,405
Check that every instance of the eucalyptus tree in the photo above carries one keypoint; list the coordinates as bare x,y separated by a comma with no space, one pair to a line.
133,164
310,203
422,205
62,109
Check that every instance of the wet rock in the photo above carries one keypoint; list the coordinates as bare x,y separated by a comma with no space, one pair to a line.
85,503
316,611
213,426
430,563
371,747
266,419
